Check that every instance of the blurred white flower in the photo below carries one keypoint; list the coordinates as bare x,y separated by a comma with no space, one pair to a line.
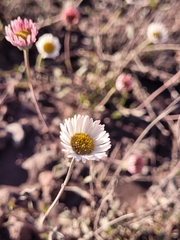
157,33
48,46
84,139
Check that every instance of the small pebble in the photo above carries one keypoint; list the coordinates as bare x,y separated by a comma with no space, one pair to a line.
17,133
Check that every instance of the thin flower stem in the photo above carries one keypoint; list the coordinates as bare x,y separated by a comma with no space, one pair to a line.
5,93
67,52
91,185
105,99
111,21
26,60
168,110
162,47
60,191
114,221
123,99
151,97
133,53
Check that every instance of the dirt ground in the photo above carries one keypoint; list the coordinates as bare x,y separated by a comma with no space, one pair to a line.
102,199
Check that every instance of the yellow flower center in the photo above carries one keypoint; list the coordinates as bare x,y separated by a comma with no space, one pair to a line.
157,35
23,34
82,143
48,47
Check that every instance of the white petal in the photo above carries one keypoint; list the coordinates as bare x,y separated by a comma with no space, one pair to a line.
85,124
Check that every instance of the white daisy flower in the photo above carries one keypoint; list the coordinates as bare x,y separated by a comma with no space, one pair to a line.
84,139
48,46
157,33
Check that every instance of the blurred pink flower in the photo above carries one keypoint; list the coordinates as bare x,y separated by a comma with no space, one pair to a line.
134,164
70,16
124,83
21,33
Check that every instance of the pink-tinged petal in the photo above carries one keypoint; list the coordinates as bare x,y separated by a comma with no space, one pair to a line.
124,83
134,164
21,33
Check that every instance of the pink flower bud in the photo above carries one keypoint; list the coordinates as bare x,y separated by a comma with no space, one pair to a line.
134,164
124,83
70,16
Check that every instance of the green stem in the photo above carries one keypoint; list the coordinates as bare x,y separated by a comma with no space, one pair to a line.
123,99
38,62
60,191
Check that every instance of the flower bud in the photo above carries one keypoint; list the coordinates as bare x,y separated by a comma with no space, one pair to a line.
134,164
124,83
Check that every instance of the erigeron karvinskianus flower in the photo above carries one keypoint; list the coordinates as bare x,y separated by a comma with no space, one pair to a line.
84,139
21,33
70,16
134,164
124,83
157,33
48,46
